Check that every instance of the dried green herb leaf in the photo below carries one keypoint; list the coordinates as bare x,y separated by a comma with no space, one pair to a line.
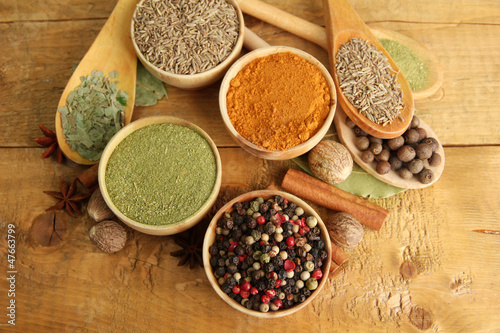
148,89
93,114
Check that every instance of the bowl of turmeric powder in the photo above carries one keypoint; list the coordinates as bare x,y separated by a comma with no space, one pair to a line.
277,102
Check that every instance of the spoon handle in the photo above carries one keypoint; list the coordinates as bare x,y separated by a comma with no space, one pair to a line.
286,21
252,41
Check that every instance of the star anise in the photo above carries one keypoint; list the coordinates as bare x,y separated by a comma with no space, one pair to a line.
68,198
191,249
50,141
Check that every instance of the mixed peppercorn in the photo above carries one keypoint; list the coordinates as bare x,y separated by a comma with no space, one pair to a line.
268,254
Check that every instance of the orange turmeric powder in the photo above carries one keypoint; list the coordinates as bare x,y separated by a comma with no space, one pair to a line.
278,101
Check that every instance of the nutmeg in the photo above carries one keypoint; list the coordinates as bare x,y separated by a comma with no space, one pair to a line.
344,229
109,236
330,161
97,208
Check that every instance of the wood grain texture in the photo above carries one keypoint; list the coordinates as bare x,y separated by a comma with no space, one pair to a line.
141,289
72,286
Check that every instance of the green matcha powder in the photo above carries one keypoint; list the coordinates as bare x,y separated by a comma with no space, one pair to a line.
413,69
161,174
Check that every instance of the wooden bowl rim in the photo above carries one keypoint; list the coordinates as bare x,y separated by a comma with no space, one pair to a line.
252,147
210,237
198,80
169,229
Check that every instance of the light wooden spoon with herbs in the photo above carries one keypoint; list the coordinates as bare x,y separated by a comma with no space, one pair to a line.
111,52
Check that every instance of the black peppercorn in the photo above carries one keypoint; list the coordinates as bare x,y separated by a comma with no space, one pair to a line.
263,208
266,248
270,283
220,271
221,262
234,260
306,292
278,199
287,226
232,269
231,281
213,250
302,298
260,285
213,261
269,267
256,275
295,289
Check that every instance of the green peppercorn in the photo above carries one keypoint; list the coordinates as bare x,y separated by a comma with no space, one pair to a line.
265,258
256,255
255,205
309,266
256,235
312,284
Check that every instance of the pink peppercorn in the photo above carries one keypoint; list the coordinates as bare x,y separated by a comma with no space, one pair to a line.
290,241
254,291
236,289
265,299
289,265
244,294
246,286
261,220
270,292
278,302
317,274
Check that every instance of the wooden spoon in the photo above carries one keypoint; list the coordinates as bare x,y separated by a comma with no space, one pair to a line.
316,34
112,50
342,24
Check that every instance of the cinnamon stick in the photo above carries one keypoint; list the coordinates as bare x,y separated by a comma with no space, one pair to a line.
88,178
331,197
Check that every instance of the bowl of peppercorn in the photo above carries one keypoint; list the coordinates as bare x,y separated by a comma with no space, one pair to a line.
267,253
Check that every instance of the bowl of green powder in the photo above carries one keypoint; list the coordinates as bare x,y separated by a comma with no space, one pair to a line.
160,175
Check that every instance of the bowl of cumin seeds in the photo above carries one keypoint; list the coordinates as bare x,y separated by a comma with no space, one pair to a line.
187,44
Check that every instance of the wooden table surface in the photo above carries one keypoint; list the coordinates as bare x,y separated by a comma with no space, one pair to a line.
70,285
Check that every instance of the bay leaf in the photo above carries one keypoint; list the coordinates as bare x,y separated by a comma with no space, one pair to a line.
148,88
359,182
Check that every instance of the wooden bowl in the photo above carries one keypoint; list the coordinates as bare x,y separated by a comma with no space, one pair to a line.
199,80
250,146
210,239
160,229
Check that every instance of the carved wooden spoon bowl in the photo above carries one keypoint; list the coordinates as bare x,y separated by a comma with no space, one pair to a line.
111,51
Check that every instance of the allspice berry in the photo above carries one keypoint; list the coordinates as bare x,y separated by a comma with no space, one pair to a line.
367,156
359,132
376,148
435,160
423,151
349,123
432,142
426,176
415,166
383,156
396,143
405,173
406,153
415,122
362,142
330,161
109,236
411,136
422,133
344,230
395,163
383,167
374,139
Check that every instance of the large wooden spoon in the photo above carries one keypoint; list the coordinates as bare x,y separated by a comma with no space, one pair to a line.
342,24
111,51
